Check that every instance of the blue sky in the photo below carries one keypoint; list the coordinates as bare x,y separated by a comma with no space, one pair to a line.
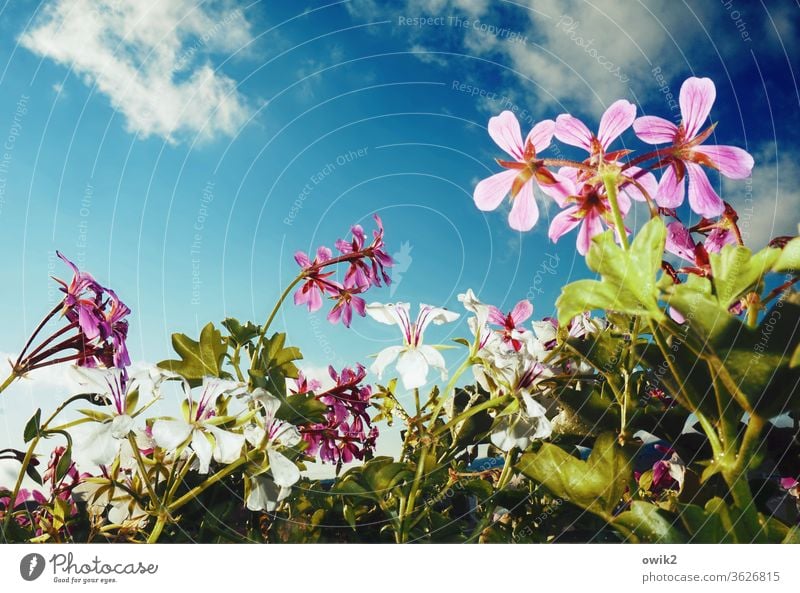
273,126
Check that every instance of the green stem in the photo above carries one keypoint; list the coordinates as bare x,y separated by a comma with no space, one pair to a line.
157,529
275,309
505,475
412,495
611,190
210,481
9,380
448,390
750,442
470,412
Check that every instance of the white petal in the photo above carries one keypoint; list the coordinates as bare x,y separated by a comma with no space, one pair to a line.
413,368
202,451
436,315
171,434
388,313
508,435
384,359
283,470
268,401
96,445
254,434
434,358
265,494
227,446
287,435
121,426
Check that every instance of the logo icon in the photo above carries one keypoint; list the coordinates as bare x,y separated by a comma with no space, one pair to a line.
31,566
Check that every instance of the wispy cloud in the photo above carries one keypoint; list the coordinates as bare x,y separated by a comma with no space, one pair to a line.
151,59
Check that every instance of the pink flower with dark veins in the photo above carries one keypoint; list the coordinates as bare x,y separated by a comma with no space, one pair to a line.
687,154
511,322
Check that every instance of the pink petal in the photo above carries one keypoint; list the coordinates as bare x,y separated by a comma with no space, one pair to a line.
541,135
572,131
336,313
314,300
559,191
679,241
504,130
718,238
697,97
702,197
655,130
491,191
522,310
646,180
670,191
525,212
676,315
617,118
562,223
591,226
731,161
302,259
496,316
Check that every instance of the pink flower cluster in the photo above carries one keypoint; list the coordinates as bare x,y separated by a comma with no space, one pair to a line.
367,263
347,432
98,318
578,187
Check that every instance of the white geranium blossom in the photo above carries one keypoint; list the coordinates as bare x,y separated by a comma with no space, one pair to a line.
518,430
199,429
413,358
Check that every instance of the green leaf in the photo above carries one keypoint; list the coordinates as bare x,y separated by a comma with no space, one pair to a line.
64,464
596,484
736,271
199,359
301,408
628,278
275,364
33,428
241,334
789,259
649,524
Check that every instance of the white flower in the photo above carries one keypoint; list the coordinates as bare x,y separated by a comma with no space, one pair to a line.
199,427
413,357
265,491
518,430
99,443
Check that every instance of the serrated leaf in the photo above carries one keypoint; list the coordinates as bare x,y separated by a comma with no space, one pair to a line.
628,278
596,484
649,524
241,334
789,259
202,358
275,364
736,270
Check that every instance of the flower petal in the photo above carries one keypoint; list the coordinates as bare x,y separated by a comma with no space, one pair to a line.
590,227
697,97
670,191
655,130
413,368
504,130
171,434
562,223
679,241
616,119
384,359
284,471
435,359
646,180
541,135
489,192
524,211
96,445
702,197
202,451
570,130
733,162
227,445
521,312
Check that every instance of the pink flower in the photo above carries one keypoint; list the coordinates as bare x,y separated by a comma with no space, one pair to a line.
316,282
346,300
687,153
512,322
521,172
680,242
616,119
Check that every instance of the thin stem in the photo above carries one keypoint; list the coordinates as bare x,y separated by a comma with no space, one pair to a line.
39,327
210,481
274,312
49,340
9,380
161,521
750,442
491,403
611,191
505,475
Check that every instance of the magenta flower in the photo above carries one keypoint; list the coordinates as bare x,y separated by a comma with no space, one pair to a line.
317,283
688,155
511,322
616,119
680,242
367,263
346,301
521,173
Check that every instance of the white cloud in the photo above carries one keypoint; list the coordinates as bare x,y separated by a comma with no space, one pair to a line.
151,59
767,203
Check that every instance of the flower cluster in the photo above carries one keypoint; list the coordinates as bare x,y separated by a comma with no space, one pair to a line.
596,193
367,263
98,318
347,432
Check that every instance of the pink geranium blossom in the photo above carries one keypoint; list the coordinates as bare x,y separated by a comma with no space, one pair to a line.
511,323
521,173
616,119
688,154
